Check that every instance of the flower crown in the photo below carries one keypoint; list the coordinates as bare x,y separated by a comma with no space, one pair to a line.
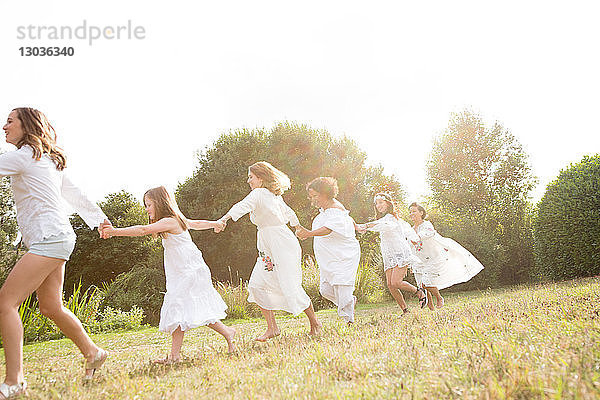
380,197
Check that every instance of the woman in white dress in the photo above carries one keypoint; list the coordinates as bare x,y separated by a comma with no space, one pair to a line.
191,299
444,262
41,190
396,251
336,249
276,280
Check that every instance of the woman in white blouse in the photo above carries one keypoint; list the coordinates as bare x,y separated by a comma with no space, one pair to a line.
40,188
444,262
276,280
336,249
396,250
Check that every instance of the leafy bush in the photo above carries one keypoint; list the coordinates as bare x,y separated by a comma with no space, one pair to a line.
143,286
567,225
111,319
236,298
311,282
85,305
370,276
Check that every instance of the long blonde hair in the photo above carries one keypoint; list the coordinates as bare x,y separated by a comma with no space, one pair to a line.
273,179
40,135
164,206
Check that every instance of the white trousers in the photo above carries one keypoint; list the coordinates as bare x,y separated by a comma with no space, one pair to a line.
342,297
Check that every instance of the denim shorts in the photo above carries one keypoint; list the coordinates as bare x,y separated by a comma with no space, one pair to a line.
56,246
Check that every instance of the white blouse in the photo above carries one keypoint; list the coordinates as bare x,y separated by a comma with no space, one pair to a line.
395,235
392,230
41,194
337,253
265,208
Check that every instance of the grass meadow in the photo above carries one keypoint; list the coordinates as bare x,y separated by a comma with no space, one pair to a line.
527,342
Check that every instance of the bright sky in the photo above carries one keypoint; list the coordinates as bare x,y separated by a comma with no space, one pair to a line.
132,113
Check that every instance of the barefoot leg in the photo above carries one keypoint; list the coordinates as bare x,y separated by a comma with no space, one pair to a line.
228,333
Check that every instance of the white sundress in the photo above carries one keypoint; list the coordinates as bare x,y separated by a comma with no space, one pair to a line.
191,299
444,262
276,280
394,237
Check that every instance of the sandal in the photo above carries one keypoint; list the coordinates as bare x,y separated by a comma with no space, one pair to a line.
423,300
10,391
95,364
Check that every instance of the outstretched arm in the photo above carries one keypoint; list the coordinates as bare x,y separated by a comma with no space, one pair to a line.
303,233
202,224
164,225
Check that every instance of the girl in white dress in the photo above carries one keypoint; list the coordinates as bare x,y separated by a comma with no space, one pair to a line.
444,262
396,250
276,280
336,249
41,192
191,299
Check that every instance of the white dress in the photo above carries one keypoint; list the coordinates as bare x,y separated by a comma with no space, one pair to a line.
443,261
394,235
338,256
191,299
276,280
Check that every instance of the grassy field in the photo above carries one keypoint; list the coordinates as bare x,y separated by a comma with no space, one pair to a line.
519,343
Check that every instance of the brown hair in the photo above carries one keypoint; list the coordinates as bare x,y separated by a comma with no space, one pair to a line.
420,208
391,209
40,135
324,185
164,206
273,179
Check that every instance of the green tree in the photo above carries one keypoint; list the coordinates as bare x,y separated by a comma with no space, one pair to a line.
567,225
97,260
301,152
480,180
9,254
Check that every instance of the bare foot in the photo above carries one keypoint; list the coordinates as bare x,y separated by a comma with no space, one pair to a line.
168,360
267,335
230,337
430,302
440,302
315,330
94,362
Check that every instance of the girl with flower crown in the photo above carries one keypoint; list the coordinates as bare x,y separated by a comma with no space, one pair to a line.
396,251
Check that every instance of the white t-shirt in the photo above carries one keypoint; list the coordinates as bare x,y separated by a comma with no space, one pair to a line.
40,192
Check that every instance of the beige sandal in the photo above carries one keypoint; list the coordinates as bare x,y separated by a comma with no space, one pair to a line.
11,391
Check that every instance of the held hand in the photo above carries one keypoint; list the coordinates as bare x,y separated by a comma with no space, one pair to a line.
220,226
360,228
107,230
102,226
301,232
